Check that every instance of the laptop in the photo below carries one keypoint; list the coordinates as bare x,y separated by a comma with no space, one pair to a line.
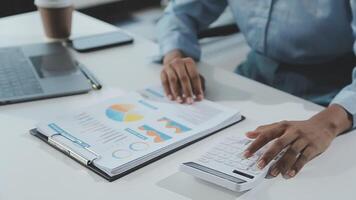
39,71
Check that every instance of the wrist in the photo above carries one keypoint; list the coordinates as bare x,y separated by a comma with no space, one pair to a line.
172,55
335,119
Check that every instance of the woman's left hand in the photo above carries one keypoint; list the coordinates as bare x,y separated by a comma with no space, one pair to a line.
303,140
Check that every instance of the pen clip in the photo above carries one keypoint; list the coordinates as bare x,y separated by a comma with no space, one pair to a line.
93,81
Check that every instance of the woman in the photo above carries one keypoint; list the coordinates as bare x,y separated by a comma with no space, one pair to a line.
303,47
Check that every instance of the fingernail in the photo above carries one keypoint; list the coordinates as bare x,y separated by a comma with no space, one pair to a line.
179,99
248,133
201,96
291,173
275,172
247,154
261,164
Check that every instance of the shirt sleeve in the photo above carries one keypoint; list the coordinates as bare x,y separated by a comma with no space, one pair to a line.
347,97
181,21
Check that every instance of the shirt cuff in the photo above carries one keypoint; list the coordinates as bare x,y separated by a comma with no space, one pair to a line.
347,100
189,47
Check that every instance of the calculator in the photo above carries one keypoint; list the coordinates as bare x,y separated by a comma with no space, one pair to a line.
225,165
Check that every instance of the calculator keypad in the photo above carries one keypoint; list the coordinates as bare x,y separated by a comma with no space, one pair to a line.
229,153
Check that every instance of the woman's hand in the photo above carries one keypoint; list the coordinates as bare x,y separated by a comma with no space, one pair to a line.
180,78
303,140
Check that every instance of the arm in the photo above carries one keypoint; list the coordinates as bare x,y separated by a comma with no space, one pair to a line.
347,97
179,45
181,21
347,100
304,140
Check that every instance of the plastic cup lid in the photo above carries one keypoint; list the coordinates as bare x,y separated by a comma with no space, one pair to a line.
53,3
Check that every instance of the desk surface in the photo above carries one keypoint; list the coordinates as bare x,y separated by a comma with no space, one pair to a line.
30,169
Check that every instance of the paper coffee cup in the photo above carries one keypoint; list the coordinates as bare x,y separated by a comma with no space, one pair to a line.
56,17
53,3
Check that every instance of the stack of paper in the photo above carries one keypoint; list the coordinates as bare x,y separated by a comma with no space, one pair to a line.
124,132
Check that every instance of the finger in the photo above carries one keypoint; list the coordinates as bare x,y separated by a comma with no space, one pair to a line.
254,134
184,80
290,157
165,84
264,137
274,171
173,83
308,154
277,146
195,78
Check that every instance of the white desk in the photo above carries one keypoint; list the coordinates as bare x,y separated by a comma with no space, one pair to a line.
31,170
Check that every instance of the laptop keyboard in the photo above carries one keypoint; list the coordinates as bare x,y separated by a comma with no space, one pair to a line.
17,77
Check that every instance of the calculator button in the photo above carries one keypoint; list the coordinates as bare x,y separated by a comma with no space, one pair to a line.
254,170
219,159
209,156
204,160
241,167
228,154
229,163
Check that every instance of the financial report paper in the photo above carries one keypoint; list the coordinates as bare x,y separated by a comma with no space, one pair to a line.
132,128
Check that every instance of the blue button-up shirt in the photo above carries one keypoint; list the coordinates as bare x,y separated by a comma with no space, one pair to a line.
290,31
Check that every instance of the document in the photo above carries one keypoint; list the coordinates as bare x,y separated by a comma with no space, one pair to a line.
125,131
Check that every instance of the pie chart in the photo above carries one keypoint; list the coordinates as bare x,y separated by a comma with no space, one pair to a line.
123,113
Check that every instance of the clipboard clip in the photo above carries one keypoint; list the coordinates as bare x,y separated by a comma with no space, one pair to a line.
69,150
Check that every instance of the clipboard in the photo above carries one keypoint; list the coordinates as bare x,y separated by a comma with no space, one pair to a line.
90,165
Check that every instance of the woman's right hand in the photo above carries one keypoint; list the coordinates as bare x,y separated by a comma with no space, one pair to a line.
180,78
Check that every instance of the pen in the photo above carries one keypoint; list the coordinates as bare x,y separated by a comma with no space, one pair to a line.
94,81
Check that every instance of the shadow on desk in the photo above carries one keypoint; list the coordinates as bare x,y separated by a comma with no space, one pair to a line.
223,85
337,160
196,189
